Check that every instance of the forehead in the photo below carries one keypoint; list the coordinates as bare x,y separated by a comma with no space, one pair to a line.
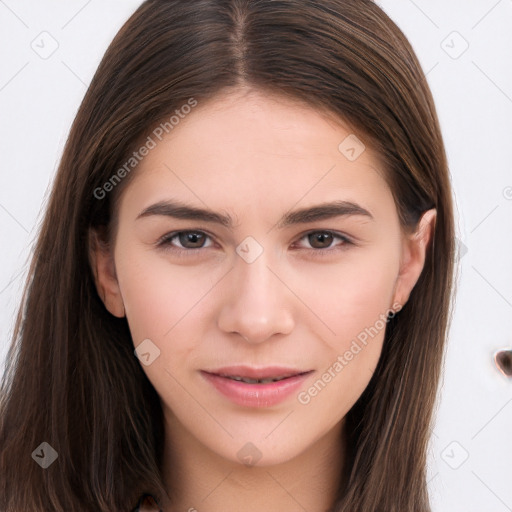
248,152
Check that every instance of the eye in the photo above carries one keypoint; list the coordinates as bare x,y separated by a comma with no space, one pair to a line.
186,240
323,240
320,242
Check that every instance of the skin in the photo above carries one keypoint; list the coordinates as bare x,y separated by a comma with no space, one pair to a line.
257,157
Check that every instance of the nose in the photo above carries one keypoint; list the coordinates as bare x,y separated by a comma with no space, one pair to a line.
256,304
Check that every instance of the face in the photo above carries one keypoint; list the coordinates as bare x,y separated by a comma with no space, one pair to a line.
252,244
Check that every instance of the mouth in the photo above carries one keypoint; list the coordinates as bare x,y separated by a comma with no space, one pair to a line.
251,375
256,387
248,380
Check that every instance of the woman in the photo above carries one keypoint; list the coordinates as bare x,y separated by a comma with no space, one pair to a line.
241,290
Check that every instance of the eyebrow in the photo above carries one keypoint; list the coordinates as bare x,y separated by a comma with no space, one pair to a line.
318,212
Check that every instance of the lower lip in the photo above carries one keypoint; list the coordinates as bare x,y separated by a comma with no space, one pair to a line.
256,395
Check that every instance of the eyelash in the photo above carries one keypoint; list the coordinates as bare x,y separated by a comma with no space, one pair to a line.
165,242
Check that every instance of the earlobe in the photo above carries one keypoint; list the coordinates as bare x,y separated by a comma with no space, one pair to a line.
101,260
414,251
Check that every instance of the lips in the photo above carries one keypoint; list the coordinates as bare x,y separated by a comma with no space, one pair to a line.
256,387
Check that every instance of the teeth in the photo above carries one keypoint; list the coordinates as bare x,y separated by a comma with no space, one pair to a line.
247,380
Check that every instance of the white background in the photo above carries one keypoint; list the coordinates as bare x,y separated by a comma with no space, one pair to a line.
470,465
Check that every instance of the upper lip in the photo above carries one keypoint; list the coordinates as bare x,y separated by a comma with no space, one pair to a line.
267,372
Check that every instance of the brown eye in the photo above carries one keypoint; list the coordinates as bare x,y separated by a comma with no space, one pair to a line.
192,239
181,241
320,239
324,243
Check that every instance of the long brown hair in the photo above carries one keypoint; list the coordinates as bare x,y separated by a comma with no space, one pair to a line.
72,379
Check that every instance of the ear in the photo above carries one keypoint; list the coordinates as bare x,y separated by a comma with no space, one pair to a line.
101,260
414,249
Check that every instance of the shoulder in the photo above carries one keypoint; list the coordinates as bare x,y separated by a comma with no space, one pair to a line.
147,503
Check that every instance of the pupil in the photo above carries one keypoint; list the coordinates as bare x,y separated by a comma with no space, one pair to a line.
194,239
320,240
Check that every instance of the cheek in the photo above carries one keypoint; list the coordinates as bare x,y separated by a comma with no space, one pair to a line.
164,304
353,302
349,296
162,299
